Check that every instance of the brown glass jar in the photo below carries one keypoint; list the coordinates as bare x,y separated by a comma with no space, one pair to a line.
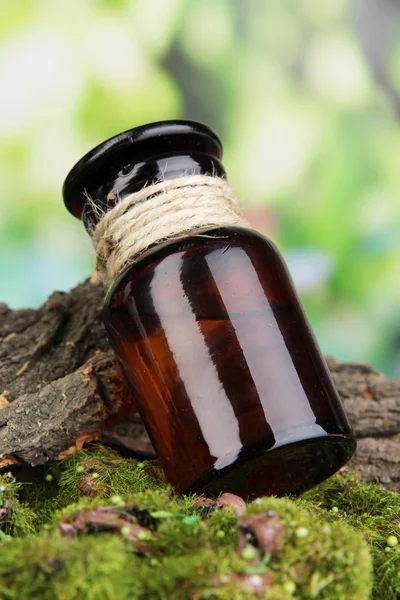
213,340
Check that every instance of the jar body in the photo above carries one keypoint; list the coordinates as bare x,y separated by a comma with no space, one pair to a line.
224,369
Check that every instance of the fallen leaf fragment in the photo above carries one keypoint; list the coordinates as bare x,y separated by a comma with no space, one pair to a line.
264,531
123,520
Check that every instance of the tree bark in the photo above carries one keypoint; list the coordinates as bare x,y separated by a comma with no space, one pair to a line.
61,386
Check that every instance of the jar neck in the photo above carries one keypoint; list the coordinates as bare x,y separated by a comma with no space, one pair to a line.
118,179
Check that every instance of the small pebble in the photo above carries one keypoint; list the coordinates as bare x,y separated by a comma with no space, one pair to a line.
392,541
302,532
248,553
237,503
79,469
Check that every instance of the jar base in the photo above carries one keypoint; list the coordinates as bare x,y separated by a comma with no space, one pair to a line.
289,469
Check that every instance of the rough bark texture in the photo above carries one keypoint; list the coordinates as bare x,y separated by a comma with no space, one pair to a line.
60,386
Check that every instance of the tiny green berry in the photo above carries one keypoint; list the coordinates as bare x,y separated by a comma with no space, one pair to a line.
387,549
154,562
248,553
143,535
301,532
79,469
49,477
116,500
392,541
220,534
125,531
290,587
335,510
95,475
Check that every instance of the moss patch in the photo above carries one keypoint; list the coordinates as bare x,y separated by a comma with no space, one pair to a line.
317,546
372,510
16,518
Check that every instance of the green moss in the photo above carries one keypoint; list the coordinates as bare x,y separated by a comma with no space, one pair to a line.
372,510
183,562
72,479
190,555
116,475
330,535
48,568
324,560
16,518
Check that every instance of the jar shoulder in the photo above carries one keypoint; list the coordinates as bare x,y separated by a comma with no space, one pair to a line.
240,261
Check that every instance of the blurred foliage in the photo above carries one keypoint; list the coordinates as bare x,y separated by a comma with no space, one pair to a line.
305,96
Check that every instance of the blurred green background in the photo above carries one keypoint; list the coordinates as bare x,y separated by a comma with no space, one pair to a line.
305,95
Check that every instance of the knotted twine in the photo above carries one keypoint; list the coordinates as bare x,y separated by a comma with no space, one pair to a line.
167,210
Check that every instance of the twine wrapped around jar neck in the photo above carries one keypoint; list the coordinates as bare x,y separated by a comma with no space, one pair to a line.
163,211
